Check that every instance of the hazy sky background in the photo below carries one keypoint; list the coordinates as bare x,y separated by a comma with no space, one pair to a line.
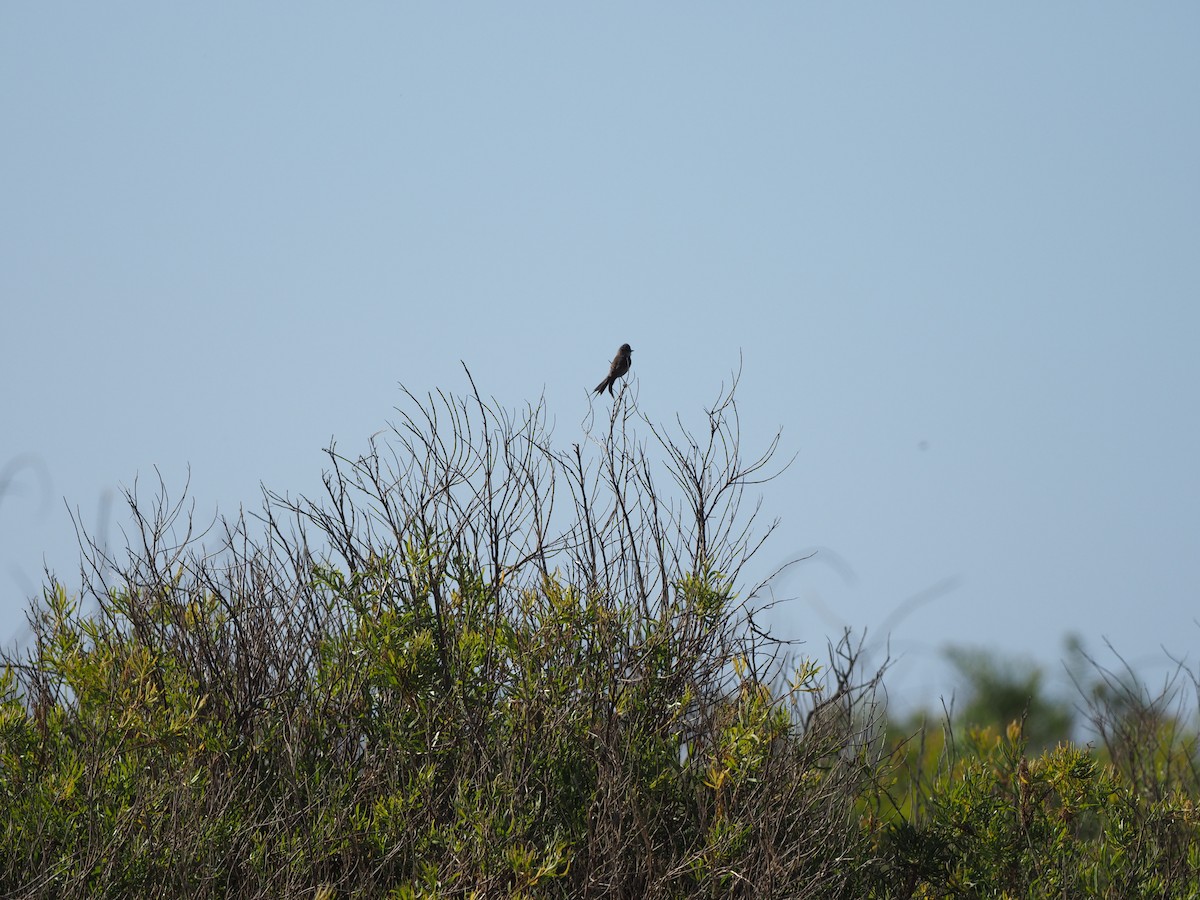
958,246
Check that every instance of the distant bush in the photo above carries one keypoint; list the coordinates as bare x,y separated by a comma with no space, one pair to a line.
994,822
967,810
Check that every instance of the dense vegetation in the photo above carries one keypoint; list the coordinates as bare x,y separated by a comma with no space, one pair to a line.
483,666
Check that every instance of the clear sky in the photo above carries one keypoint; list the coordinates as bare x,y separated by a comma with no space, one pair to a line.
958,246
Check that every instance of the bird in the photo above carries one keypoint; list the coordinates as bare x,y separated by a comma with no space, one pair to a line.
620,365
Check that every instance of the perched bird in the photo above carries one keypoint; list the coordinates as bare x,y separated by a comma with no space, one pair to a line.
620,365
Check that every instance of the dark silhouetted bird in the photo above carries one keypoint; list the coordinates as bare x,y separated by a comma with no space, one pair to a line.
620,365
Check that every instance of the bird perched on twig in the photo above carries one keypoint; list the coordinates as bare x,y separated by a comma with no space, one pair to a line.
620,365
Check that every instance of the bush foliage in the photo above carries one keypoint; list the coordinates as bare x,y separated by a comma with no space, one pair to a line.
481,666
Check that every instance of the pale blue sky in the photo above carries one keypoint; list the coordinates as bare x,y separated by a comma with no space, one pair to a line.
957,244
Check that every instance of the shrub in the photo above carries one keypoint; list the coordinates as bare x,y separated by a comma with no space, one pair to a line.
478,666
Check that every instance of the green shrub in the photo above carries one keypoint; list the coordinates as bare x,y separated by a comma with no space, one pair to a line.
436,682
